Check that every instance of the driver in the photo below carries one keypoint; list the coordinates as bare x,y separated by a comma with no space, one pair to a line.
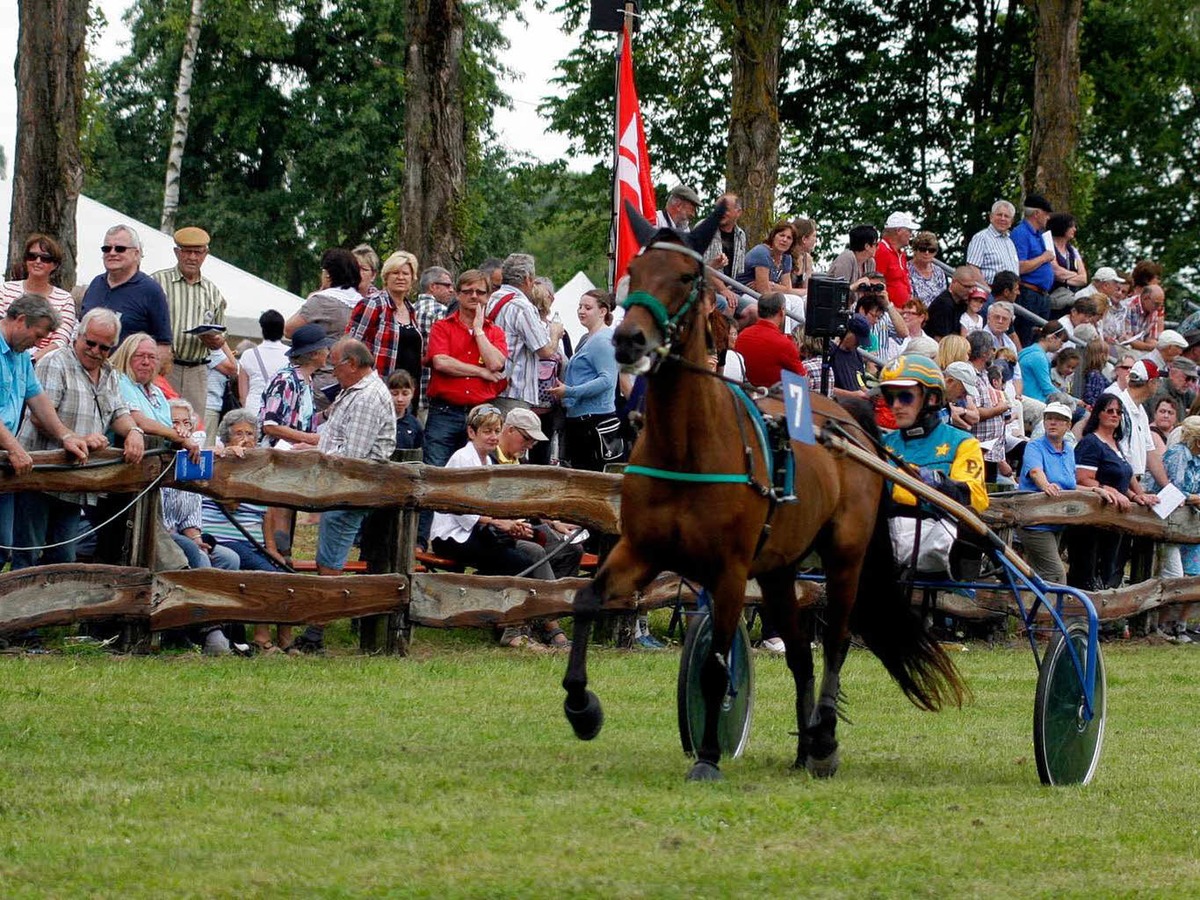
948,458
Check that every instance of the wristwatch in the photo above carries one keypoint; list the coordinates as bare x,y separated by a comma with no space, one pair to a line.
138,429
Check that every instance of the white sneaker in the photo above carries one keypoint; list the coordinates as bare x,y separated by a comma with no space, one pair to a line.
774,645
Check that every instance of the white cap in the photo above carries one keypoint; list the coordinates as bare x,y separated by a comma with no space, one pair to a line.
901,220
965,373
1106,273
1057,409
1172,338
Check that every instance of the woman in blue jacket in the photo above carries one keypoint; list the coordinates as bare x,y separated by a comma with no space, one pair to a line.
588,390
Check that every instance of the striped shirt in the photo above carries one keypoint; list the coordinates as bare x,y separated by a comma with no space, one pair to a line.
62,302
190,305
428,311
361,422
180,509
993,251
526,334
989,429
250,515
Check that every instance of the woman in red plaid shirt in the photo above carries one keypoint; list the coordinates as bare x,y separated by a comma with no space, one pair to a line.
387,322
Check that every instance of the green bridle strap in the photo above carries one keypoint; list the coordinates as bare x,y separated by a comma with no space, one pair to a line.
651,304
694,477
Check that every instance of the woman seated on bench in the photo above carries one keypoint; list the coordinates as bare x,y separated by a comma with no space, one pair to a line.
488,545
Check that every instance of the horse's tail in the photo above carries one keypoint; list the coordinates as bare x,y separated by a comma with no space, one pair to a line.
891,628
893,631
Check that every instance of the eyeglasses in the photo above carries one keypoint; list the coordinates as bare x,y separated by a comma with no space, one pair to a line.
1122,367
34,256
473,292
114,248
96,345
445,284
925,249
341,362
186,251
904,398
1111,411
526,436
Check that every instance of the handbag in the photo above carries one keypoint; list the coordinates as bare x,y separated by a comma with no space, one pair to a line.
612,441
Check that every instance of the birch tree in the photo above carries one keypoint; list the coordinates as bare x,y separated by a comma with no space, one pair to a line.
183,109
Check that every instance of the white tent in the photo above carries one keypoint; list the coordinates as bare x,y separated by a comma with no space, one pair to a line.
248,296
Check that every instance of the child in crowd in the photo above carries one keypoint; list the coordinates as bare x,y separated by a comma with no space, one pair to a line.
409,434
972,319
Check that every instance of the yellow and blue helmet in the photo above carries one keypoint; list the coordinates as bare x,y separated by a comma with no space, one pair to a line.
911,370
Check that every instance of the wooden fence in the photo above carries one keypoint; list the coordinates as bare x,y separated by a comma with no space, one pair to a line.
147,594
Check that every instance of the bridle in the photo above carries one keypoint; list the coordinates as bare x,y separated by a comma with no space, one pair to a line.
669,324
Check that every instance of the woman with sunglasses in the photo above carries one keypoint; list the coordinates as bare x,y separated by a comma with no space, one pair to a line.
928,281
1098,556
489,545
41,260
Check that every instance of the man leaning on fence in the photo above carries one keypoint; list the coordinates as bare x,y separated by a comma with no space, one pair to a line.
82,388
29,319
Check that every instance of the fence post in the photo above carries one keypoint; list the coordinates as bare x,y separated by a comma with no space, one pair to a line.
140,551
394,543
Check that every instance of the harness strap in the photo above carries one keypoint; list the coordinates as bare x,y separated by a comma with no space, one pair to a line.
694,477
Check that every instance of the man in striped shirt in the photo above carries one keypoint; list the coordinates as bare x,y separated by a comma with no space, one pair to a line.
433,303
992,250
192,300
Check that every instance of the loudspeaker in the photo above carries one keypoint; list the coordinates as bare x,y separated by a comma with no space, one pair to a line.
609,15
825,314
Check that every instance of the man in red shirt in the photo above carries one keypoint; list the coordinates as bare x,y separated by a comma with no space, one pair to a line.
764,346
466,357
890,259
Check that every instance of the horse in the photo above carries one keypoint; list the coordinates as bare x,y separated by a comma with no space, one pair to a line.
719,533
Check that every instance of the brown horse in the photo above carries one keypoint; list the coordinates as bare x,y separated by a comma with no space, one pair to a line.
721,534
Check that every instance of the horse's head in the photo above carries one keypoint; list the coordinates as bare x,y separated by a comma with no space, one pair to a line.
666,282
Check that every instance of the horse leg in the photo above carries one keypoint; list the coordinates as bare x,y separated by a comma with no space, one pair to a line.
623,573
779,597
840,587
727,599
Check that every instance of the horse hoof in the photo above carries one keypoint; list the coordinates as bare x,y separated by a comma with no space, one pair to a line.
588,720
823,768
703,771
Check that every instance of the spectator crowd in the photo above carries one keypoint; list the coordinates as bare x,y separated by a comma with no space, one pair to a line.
1029,371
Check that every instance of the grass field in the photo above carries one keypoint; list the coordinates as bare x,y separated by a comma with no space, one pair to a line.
453,774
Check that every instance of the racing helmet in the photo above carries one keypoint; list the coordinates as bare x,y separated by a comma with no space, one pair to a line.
911,370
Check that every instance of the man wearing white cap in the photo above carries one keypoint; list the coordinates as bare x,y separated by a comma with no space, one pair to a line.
962,395
1104,282
1167,349
890,259
1137,444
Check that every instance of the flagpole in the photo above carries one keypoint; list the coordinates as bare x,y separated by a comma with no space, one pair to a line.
616,183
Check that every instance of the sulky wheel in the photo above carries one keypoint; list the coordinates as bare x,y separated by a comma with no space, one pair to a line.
1066,745
733,726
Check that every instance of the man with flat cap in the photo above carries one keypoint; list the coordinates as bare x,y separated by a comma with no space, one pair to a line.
680,209
194,301
1035,259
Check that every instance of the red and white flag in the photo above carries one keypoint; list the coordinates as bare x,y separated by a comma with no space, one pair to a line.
633,163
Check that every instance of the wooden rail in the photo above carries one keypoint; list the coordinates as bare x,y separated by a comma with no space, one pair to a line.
69,594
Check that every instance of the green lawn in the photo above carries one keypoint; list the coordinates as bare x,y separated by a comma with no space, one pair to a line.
453,773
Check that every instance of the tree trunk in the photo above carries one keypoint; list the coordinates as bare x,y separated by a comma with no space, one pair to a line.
1055,132
754,31
47,166
431,215
183,109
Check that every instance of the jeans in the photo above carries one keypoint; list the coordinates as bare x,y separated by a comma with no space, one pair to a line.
250,557
1035,302
336,534
40,519
492,554
221,557
6,527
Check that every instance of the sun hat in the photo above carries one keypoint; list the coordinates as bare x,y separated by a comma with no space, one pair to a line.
308,339
1057,409
901,220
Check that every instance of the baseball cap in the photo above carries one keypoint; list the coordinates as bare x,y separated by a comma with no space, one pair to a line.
1057,409
1183,364
527,421
977,293
965,373
1172,338
1143,370
860,326
1106,273
901,220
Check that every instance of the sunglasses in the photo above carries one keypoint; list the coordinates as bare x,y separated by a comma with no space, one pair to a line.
482,413
1111,411
925,249
1122,367
904,398
32,256
96,345
114,248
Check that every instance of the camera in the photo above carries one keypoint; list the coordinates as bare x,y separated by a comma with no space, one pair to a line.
827,313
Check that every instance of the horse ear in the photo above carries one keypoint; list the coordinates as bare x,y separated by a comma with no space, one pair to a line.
642,230
701,236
